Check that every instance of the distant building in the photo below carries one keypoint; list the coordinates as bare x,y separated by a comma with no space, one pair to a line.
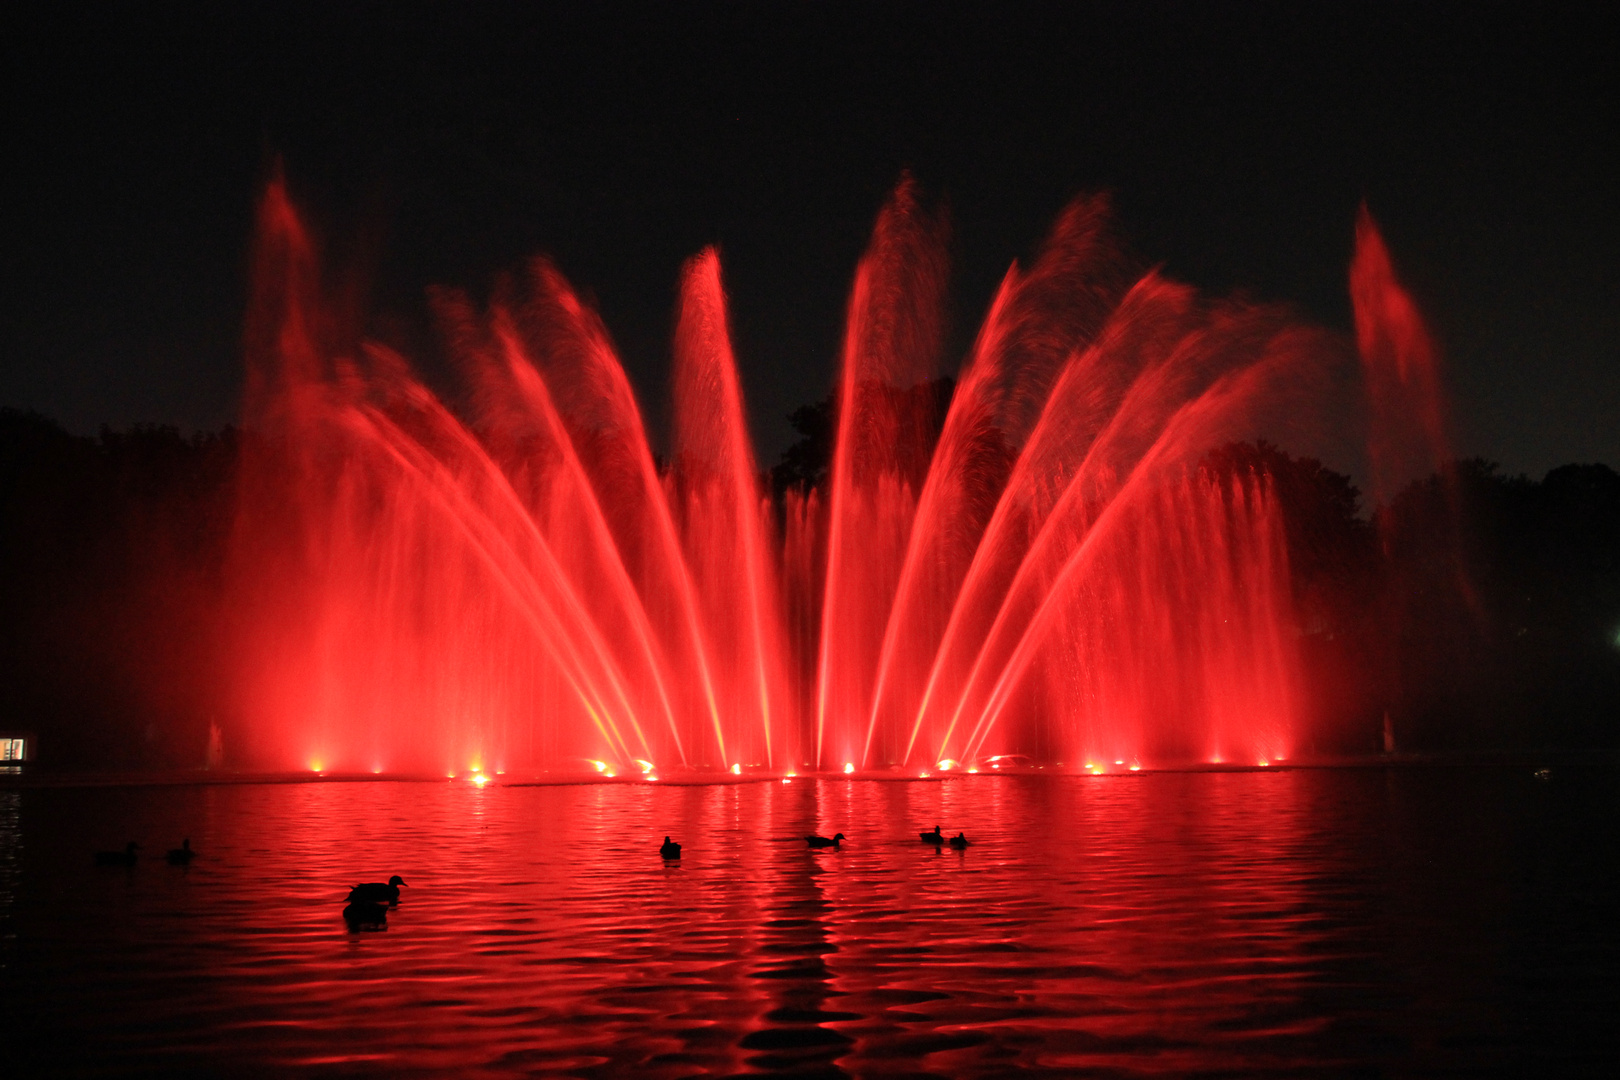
17,747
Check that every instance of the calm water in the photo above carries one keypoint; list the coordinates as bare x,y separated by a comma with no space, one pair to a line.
1352,922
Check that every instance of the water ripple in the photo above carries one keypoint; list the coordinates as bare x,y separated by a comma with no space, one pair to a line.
1288,923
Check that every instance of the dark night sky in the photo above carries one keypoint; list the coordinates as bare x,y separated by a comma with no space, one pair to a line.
449,142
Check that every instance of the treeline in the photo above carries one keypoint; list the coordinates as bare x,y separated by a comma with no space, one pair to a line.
1480,611
1509,621
111,550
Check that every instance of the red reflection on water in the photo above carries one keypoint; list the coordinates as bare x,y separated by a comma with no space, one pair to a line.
1298,922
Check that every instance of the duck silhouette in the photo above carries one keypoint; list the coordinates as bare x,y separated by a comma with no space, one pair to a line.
822,841
932,837
181,855
118,858
377,892
670,850
365,915
959,841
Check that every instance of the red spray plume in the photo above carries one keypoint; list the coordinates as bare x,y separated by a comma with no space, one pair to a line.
1050,573
1407,437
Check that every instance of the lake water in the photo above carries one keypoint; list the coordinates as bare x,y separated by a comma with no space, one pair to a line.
1380,922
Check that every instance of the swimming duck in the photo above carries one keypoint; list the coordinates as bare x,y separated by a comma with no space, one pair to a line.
376,891
959,841
365,915
932,837
670,850
181,855
822,841
118,858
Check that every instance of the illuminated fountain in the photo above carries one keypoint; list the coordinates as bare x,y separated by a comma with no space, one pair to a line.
1057,575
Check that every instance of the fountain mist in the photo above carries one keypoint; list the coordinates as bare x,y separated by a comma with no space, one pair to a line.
1050,573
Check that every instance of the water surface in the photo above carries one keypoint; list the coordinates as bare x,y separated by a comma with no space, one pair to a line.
1397,922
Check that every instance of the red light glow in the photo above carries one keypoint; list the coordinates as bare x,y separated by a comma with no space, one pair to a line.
1104,589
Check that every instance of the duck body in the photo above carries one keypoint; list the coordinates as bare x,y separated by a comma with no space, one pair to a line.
934,837
181,855
670,850
377,892
823,841
365,915
118,858
959,841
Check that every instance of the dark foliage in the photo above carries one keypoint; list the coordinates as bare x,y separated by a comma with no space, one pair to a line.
805,464
110,551
1507,595
1334,565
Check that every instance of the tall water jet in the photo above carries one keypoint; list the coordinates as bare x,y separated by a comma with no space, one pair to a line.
891,342
1407,440
714,482
1406,437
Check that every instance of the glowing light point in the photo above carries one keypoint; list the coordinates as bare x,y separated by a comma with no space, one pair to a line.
480,779
610,774
974,772
736,769
317,766
1264,763
849,767
923,775
1119,762
1136,766
947,765
652,778
601,766
644,766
